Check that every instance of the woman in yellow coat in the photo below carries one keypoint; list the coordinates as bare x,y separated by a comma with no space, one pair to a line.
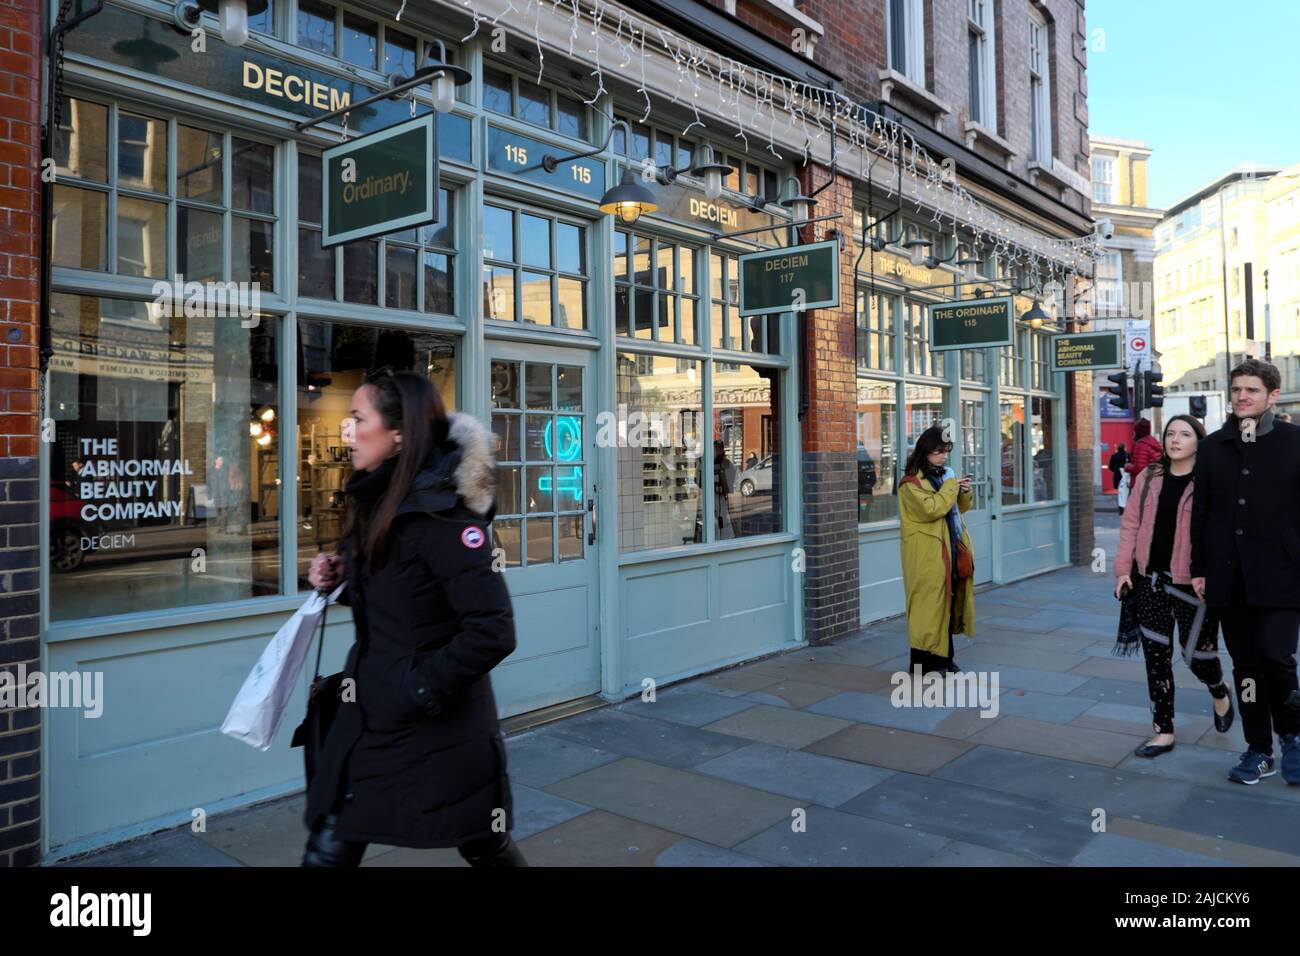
940,600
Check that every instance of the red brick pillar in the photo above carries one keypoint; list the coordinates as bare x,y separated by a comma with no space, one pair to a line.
20,293
829,434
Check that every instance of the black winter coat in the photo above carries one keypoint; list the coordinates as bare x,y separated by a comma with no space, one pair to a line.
1246,513
417,759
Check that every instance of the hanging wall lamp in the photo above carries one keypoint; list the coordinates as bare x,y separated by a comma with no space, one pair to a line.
708,170
232,16
446,78
629,200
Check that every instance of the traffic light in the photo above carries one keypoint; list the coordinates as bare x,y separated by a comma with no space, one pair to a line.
1139,391
1152,391
1196,405
1118,393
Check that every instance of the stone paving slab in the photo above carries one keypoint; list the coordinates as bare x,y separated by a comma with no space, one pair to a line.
598,839
841,676
271,834
670,744
1047,682
782,727
1200,844
707,808
791,693
732,683
178,847
988,655
957,853
1241,816
537,810
1026,827
1135,694
695,853
1111,849
806,777
1068,783
1038,706
1127,719
880,710
892,749
682,706
1057,740
1208,766
833,838
538,760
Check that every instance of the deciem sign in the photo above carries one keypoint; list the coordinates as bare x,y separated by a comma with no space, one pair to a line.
771,281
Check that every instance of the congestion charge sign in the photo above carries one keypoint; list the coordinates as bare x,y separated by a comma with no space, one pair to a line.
796,278
1086,350
381,183
971,324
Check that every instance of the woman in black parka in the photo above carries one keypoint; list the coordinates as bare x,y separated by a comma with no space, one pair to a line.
415,756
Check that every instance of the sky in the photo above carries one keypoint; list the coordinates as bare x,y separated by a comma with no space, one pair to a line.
1206,85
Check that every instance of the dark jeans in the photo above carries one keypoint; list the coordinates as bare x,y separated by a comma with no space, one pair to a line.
326,849
1262,642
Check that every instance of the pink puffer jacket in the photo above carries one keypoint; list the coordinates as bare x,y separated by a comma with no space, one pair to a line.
1139,524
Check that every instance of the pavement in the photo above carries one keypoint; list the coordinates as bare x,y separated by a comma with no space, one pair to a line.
803,760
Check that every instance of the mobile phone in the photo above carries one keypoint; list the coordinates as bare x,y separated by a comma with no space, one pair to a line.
1124,592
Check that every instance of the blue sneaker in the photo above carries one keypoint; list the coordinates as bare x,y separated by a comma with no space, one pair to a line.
1291,759
1253,766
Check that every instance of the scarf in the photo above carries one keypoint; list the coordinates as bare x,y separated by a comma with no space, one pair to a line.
936,477
367,487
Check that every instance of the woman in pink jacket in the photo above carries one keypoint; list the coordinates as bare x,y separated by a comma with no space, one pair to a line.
1154,559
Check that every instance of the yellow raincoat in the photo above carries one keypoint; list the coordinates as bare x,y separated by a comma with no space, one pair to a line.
927,574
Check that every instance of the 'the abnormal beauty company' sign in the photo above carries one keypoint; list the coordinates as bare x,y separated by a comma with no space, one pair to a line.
971,324
1086,350
796,278
381,183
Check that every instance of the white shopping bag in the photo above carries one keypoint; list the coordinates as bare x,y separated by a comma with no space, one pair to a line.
260,704
1123,490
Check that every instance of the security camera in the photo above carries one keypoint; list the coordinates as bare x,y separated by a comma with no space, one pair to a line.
1105,229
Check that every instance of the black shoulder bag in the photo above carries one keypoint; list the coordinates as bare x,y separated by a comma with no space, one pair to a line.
322,706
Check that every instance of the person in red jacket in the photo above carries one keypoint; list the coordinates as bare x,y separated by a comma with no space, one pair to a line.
1146,449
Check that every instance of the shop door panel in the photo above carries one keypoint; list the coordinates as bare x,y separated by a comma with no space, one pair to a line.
543,532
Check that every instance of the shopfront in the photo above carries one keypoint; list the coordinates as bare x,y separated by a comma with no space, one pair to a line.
1003,405
648,493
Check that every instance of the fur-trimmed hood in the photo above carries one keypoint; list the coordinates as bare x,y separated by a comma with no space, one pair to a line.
463,469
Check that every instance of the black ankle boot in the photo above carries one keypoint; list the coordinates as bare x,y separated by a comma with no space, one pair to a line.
503,852
324,848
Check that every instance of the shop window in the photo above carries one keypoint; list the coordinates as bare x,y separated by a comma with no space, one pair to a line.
1012,416
1041,446
731,330
205,213
1040,359
165,470
535,268
876,330
540,422
665,148
973,365
1011,359
747,460
263,22
877,450
916,346
923,407
316,25
519,96
399,53
418,264
658,299
333,360
659,440
360,41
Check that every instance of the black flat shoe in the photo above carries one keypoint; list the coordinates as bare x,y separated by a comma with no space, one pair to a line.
1150,751
1224,723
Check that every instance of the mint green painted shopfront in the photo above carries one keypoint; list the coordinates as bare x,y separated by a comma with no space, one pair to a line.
649,485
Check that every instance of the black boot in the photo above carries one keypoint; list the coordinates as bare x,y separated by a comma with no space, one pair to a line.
498,851
324,848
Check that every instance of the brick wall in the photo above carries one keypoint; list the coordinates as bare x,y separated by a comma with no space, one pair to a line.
20,731
829,438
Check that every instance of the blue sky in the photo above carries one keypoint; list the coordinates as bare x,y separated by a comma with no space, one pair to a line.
1205,85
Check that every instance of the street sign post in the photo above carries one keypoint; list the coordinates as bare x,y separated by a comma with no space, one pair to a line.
381,183
1137,344
971,324
797,278
1080,351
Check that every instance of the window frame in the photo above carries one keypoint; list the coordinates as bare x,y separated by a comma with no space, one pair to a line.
1042,147
982,29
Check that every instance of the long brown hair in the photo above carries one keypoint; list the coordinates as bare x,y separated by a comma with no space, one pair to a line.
931,440
1197,427
410,404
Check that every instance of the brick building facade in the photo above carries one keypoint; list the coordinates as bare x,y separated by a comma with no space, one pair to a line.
20,212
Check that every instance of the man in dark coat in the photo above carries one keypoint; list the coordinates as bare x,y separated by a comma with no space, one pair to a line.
1246,561
415,757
